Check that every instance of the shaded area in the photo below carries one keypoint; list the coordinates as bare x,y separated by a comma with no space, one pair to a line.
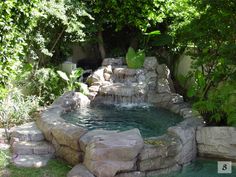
149,120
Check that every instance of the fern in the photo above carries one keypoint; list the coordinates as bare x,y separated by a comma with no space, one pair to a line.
220,104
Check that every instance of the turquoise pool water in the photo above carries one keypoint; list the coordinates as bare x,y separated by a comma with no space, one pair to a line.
149,120
201,168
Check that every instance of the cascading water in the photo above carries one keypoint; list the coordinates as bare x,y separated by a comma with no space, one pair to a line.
115,83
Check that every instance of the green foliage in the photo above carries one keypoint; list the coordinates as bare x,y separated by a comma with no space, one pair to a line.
220,104
59,26
4,159
136,14
212,43
35,31
18,18
16,109
43,83
54,168
135,59
72,80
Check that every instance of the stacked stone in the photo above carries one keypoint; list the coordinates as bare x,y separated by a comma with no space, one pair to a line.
115,83
103,153
64,136
217,142
29,147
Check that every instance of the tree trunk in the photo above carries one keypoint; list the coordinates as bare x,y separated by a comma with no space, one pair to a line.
101,45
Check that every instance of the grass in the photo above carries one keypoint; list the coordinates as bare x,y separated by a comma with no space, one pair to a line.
4,158
55,168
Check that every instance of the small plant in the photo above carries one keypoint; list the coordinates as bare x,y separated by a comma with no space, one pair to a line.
4,159
44,83
72,81
219,107
16,109
134,59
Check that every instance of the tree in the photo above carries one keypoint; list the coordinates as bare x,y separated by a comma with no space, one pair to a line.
32,32
212,37
136,15
18,18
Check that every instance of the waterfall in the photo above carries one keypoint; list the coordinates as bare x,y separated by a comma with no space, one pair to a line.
119,84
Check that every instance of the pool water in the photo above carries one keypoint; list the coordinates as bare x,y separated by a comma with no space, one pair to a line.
200,168
149,120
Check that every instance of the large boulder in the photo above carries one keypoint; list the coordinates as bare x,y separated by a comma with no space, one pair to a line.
50,118
68,134
111,153
79,171
188,142
217,142
70,155
71,100
159,153
91,135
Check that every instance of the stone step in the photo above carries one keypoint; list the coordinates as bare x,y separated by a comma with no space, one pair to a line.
35,161
26,132
31,147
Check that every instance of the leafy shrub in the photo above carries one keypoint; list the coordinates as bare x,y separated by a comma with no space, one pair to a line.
72,80
16,109
43,83
135,59
220,105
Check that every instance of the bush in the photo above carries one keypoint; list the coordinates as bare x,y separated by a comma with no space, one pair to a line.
219,107
43,83
72,81
16,109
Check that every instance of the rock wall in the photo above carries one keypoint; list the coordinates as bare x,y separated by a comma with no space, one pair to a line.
114,83
217,142
64,136
103,153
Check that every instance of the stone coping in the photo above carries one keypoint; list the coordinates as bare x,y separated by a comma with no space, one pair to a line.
164,153
113,153
217,142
